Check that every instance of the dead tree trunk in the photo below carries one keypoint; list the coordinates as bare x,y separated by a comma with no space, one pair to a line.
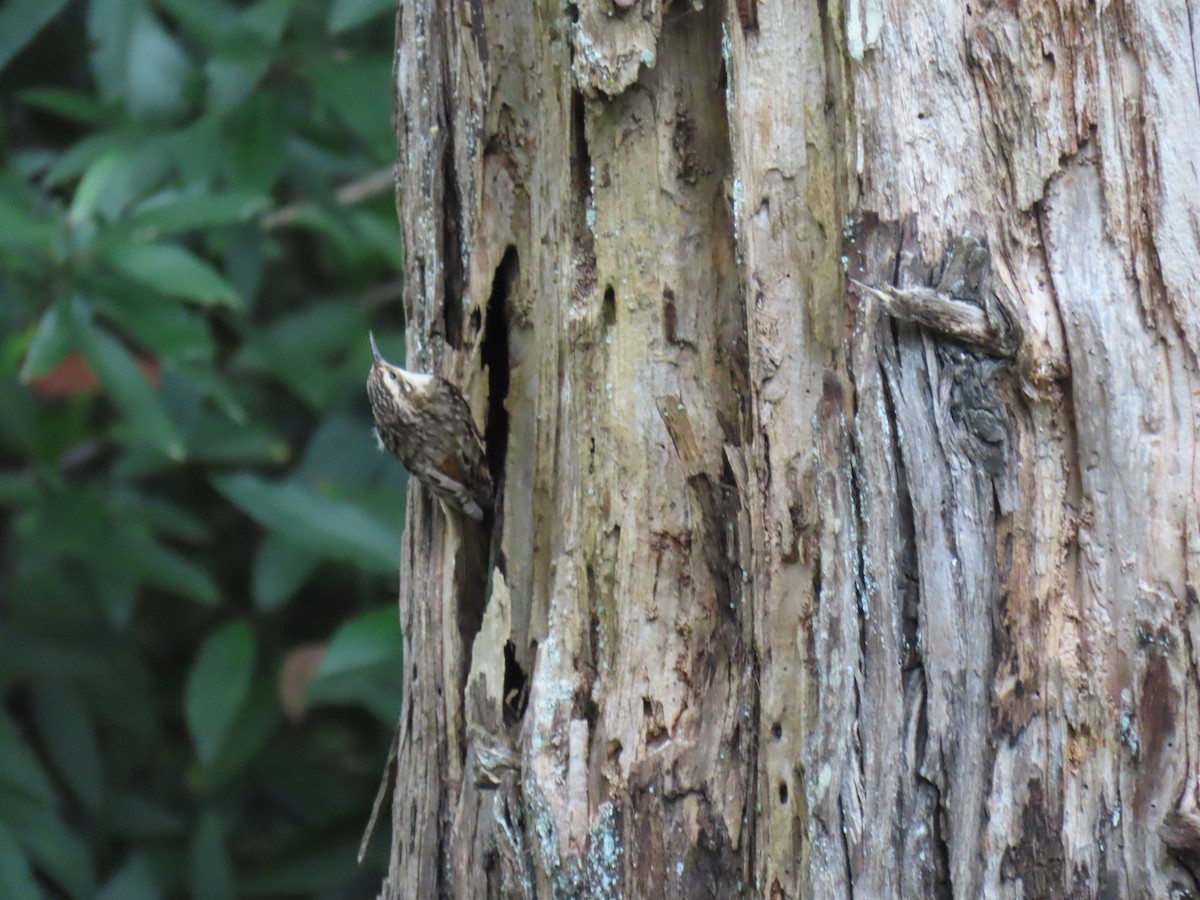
841,365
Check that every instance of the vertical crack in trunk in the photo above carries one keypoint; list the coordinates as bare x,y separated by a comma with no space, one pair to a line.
452,238
495,358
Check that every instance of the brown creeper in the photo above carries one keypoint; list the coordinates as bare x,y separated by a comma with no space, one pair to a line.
424,421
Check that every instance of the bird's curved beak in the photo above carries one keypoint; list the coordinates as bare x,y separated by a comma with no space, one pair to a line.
374,349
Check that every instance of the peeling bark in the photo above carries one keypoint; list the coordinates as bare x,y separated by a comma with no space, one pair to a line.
839,368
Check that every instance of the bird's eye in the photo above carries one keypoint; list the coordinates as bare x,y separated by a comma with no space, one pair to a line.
392,375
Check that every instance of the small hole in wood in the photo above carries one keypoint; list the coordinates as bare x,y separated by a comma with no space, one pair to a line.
516,686
670,316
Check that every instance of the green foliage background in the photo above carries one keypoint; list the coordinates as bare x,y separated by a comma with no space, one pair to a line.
196,231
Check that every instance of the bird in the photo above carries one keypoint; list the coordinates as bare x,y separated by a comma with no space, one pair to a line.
425,423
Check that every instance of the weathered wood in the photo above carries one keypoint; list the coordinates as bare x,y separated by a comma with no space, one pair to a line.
849,435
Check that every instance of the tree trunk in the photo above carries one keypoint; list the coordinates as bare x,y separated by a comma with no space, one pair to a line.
841,365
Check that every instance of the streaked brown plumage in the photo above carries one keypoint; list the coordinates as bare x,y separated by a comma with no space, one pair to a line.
424,421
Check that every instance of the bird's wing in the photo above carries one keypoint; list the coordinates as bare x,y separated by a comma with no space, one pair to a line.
474,456
446,485
449,395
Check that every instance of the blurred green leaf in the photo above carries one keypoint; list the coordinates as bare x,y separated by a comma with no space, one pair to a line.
87,150
256,135
211,869
369,638
10,354
86,527
16,490
209,21
199,156
359,90
176,331
218,685
28,653
243,47
178,215
231,81
381,234
70,739
73,105
344,453
16,878
156,71
280,568
19,768
117,592
247,736
19,230
247,258
31,162
376,688
309,868
347,14
27,426
137,818
216,440
116,178
54,849
170,571
215,387
268,18
20,21
293,349
324,526
364,665
133,881
51,342
174,271
110,29
129,389
110,183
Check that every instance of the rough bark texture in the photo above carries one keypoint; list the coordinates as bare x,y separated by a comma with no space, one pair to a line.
840,362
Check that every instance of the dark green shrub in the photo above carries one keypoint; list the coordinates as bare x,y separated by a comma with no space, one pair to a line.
196,229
